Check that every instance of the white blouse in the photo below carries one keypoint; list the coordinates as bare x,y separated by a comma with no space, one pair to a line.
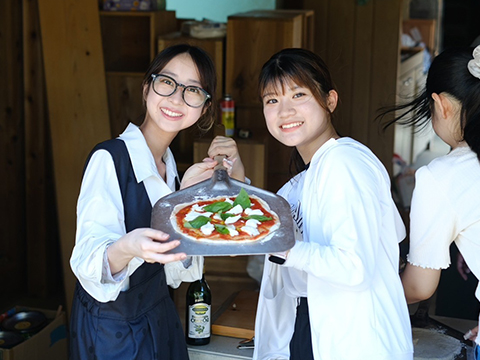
100,218
446,208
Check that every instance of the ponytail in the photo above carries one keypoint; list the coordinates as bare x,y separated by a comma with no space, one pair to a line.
449,73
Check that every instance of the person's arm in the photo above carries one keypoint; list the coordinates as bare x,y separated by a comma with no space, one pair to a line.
432,230
419,283
104,256
342,217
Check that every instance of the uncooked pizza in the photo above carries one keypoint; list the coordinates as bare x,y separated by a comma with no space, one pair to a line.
241,218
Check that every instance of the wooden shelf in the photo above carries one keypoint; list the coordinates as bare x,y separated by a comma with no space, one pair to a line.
129,41
129,37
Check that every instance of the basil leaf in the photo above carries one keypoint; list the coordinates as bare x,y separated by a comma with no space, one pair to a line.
222,229
242,199
198,222
258,217
218,206
225,216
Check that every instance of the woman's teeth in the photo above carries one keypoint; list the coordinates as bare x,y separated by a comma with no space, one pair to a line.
171,113
292,125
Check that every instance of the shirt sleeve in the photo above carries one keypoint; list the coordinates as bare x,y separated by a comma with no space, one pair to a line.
342,221
100,221
188,271
432,223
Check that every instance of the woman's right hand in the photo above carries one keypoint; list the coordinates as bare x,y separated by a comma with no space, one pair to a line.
145,243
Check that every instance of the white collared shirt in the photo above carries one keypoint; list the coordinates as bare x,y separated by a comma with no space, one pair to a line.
100,218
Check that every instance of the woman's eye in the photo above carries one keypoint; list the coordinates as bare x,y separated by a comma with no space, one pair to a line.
299,95
270,101
193,90
166,82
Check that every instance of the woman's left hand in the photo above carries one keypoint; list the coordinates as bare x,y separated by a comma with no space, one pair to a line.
222,145
198,172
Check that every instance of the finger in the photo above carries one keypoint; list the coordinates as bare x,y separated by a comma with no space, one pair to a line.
156,234
167,258
163,247
208,160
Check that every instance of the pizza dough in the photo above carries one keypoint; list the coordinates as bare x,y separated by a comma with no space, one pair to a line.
431,344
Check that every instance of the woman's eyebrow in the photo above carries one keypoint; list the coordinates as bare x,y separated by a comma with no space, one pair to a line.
269,94
189,81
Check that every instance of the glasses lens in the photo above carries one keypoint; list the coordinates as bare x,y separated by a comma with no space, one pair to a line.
194,96
164,86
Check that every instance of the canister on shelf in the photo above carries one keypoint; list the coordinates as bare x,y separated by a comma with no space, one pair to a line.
227,106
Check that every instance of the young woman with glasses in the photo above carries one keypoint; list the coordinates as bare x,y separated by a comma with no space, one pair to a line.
122,308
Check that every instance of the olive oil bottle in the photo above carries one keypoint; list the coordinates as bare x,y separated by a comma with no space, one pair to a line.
198,324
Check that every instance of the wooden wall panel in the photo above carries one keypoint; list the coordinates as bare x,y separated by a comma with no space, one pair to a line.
384,70
361,79
77,102
360,44
43,255
12,163
125,101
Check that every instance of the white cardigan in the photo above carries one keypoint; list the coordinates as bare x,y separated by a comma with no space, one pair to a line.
346,265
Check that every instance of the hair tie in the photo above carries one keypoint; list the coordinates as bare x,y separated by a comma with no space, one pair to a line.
474,64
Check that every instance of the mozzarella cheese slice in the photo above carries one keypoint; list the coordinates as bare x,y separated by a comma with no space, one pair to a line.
235,210
250,211
232,219
192,215
231,229
207,229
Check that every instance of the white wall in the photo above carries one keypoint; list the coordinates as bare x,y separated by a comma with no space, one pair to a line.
216,10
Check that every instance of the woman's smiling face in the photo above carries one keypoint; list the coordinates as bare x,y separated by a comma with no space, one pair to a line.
170,113
295,118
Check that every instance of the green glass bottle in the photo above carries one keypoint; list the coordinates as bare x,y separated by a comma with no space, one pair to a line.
198,324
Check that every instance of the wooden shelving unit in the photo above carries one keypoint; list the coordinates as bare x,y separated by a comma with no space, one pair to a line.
129,40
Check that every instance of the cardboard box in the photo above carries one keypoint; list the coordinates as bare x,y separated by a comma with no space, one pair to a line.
127,5
50,343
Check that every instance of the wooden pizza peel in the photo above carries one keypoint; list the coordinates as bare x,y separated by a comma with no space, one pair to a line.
220,184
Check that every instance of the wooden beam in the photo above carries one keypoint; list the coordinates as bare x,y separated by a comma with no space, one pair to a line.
12,164
77,103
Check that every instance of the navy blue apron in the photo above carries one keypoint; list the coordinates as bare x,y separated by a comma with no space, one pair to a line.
142,323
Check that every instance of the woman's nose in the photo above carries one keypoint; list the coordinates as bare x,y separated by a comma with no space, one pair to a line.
286,110
177,96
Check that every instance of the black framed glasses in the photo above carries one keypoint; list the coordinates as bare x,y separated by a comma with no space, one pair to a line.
193,96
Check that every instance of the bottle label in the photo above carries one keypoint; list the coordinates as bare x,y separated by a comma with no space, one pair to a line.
228,121
199,321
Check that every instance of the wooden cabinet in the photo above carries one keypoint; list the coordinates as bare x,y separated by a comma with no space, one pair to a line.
129,38
252,38
129,41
